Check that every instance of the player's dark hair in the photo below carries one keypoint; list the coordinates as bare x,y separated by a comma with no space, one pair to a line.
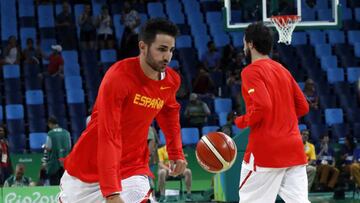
53,120
260,36
305,130
156,26
325,134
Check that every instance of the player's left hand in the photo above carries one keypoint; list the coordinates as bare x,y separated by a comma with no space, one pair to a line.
178,167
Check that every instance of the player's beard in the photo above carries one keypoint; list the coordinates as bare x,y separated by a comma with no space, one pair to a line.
247,56
156,66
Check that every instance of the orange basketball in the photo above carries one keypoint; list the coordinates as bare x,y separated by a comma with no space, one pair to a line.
216,152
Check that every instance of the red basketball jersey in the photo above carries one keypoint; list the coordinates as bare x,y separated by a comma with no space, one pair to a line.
274,102
114,144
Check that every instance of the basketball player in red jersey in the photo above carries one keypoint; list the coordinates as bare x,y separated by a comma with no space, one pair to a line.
109,163
274,161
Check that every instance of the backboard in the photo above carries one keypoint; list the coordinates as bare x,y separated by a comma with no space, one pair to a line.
315,14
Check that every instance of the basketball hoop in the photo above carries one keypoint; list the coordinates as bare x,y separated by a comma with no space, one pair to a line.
285,26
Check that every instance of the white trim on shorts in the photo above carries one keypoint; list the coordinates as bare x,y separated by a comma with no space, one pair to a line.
135,189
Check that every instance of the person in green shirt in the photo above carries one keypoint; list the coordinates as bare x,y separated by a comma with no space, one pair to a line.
196,111
57,147
18,179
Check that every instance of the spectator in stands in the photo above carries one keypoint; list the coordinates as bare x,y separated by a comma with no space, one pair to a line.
31,54
163,174
227,128
183,90
346,159
57,146
196,111
65,27
355,167
327,173
203,84
105,32
238,63
18,179
233,80
153,141
234,83
311,158
211,58
5,164
87,29
56,62
227,57
311,94
43,178
11,52
130,18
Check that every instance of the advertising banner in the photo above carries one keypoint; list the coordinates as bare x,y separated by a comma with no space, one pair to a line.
30,194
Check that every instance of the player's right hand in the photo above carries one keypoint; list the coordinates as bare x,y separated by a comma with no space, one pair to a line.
114,199
178,167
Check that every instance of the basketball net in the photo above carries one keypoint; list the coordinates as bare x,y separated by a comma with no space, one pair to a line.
285,26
